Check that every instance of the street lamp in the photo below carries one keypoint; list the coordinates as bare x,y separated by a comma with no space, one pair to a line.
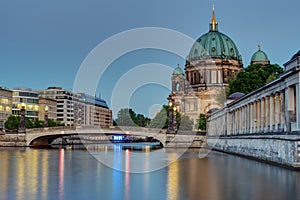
174,119
22,120
171,114
46,117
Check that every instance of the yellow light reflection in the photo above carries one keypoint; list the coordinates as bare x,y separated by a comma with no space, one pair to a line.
20,169
45,174
4,173
32,174
173,178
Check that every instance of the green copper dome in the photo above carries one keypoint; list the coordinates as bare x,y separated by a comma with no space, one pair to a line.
214,44
177,71
259,56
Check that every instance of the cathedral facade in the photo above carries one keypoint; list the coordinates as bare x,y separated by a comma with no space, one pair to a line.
211,63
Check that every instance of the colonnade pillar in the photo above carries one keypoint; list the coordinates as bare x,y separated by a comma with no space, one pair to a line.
297,88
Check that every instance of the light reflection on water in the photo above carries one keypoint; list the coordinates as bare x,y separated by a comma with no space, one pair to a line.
74,174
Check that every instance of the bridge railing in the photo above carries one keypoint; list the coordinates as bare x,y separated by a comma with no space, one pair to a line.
31,130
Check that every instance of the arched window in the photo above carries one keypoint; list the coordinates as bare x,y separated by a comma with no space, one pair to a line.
177,86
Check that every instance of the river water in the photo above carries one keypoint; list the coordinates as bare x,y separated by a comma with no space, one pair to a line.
27,173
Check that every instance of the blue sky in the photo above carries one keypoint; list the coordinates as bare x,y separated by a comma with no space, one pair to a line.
43,43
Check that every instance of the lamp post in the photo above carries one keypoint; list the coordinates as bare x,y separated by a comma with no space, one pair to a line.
22,120
174,119
46,117
171,119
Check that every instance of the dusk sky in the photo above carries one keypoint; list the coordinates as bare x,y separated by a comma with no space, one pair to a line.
43,43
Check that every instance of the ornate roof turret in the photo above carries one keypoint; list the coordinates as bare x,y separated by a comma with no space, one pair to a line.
260,57
178,71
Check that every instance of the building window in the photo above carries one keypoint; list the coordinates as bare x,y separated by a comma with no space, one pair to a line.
177,86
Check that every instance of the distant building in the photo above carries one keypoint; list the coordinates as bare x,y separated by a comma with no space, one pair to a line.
97,112
27,98
78,108
67,103
5,105
49,106
212,62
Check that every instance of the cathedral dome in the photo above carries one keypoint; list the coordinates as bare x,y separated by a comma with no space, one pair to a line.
214,44
177,71
260,57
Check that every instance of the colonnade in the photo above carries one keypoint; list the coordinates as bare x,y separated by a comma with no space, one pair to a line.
263,115
273,110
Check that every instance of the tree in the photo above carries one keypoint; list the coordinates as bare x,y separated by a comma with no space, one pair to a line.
38,123
201,122
52,123
12,123
184,123
253,77
28,123
141,120
127,117
161,119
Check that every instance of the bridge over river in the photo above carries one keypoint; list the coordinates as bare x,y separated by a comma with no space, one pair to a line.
42,136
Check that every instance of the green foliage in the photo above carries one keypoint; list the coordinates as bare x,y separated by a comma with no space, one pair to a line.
38,123
12,123
127,117
52,123
161,119
253,77
184,123
201,122
28,123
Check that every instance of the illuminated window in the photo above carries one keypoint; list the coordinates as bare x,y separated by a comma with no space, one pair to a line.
1,108
29,107
4,101
8,109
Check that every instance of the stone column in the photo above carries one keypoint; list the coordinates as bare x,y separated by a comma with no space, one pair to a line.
289,106
233,122
298,106
262,115
258,116
251,117
267,118
277,111
241,120
283,109
247,117
254,116
271,113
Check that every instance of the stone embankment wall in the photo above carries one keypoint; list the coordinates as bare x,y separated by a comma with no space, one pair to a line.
12,140
184,141
281,149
